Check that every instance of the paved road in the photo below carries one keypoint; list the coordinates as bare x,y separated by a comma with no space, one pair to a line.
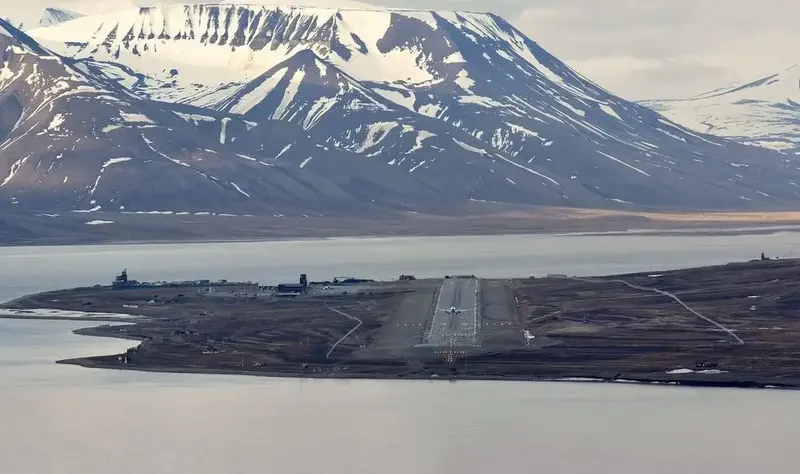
348,333
459,328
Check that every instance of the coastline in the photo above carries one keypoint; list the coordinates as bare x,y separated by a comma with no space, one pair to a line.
584,378
679,380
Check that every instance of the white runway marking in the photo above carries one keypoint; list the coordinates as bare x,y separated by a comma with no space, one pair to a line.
435,311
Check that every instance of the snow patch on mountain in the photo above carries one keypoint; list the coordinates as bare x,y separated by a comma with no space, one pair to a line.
289,93
195,118
471,148
108,163
255,96
610,111
376,132
135,118
422,135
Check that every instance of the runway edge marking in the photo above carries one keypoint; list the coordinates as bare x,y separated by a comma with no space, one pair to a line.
477,338
426,338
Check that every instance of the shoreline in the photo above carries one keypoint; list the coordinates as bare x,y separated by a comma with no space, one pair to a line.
88,363
683,380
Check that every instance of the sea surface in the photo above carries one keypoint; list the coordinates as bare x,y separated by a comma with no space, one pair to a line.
64,419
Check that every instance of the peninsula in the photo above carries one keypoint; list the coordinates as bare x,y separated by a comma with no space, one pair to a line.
728,325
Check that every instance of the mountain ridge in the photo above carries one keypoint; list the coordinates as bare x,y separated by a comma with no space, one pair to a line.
763,112
53,16
411,111
87,147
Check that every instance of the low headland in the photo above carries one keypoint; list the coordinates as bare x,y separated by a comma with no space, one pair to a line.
733,325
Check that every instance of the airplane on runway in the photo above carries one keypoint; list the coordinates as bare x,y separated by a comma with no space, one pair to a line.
454,310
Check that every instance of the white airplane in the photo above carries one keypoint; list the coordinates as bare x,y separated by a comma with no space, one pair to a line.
454,310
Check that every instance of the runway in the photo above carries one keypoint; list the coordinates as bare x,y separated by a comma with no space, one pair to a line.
459,328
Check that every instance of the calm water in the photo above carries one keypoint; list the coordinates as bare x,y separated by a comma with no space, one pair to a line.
59,419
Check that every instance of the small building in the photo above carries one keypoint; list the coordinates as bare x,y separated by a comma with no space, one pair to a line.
122,281
290,289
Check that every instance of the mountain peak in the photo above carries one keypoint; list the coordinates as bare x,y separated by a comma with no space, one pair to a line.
763,112
335,4
53,16
239,42
20,39
776,87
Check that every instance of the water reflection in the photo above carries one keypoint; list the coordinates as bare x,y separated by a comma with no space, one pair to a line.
95,421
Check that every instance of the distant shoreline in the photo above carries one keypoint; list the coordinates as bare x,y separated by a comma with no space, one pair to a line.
71,229
733,229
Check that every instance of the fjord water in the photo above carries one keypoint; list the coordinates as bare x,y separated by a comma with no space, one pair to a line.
62,419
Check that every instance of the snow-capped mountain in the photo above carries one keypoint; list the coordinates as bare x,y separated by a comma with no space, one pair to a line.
764,112
72,141
58,11
420,109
